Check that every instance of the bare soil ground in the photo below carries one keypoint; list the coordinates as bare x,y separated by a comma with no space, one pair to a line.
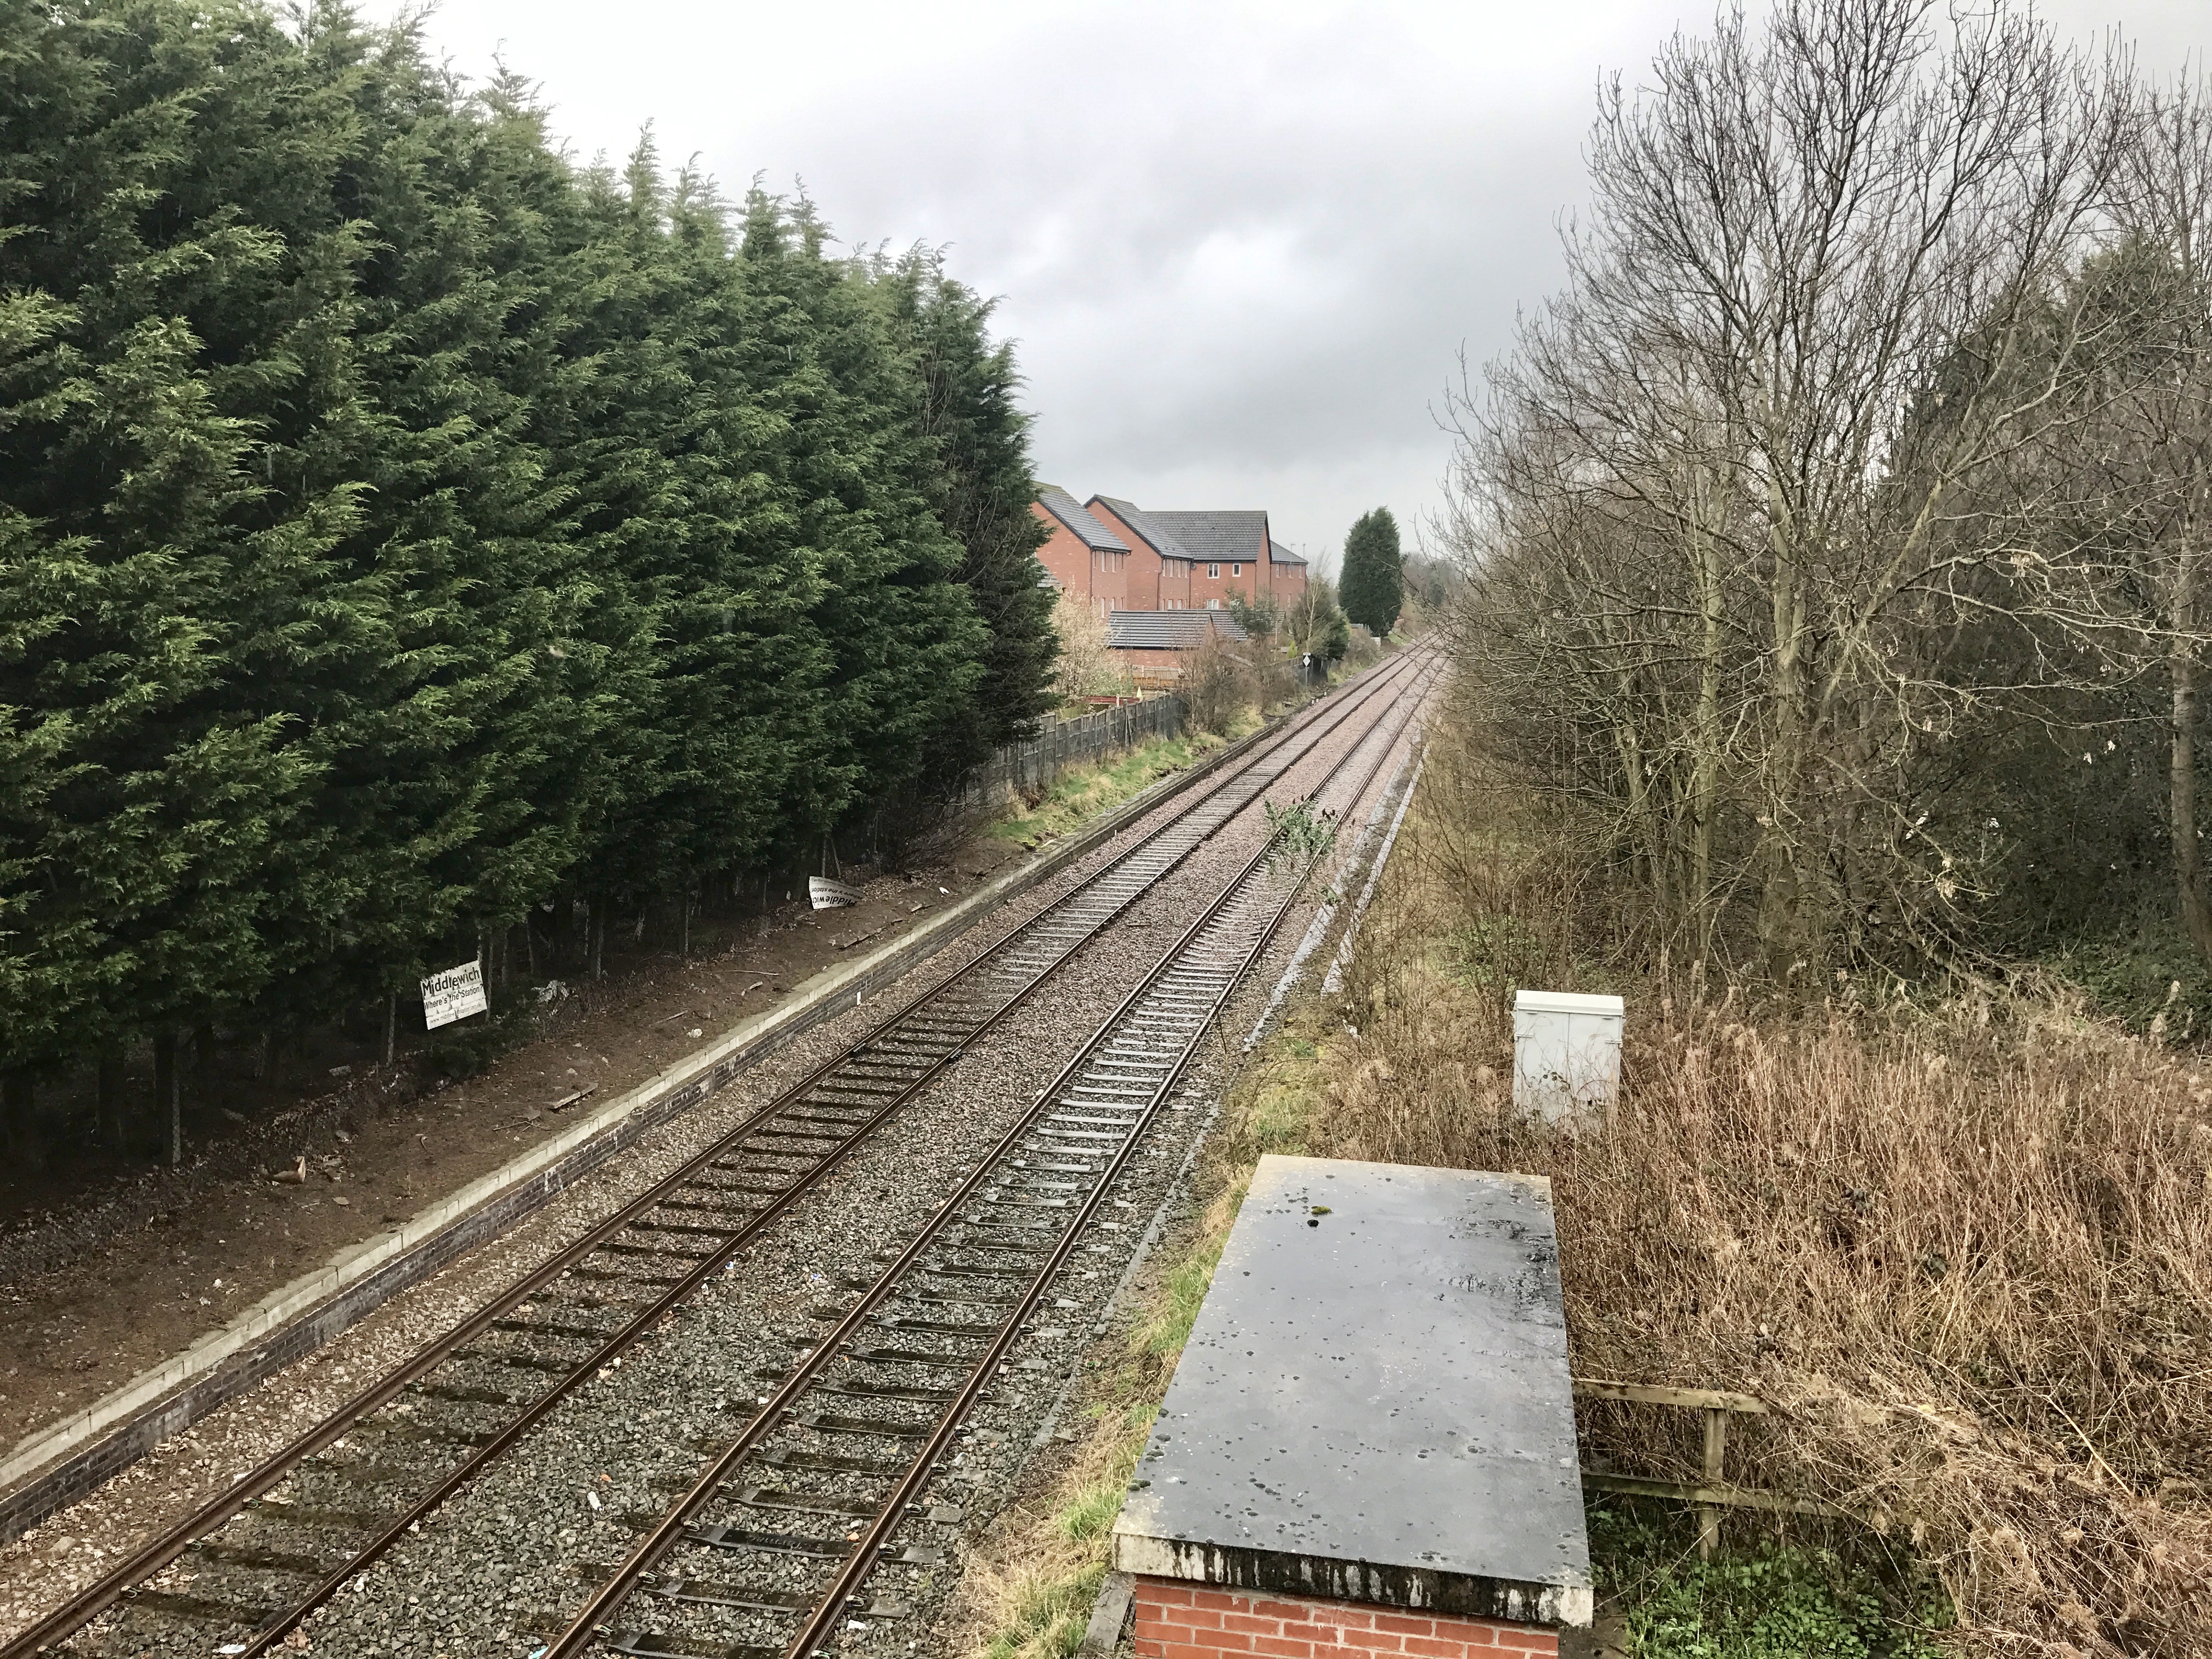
143,1260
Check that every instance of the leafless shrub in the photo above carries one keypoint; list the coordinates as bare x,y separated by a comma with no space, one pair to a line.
1793,485
1274,675
1085,666
1217,684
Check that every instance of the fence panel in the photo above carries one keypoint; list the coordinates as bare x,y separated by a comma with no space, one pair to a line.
1035,764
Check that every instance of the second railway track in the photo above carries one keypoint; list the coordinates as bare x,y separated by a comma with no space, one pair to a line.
240,1576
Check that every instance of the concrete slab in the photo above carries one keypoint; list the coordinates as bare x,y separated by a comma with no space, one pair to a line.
1374,1403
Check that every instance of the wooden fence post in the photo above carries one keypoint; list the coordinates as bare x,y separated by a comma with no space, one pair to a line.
1708,1514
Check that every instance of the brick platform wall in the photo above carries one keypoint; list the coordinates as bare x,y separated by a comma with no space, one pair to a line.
1178,1620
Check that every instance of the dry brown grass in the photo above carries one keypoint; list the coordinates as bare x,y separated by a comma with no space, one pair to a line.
1966,1247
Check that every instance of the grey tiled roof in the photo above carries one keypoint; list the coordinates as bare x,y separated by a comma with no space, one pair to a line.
1280,554
1169,630
1161,539
1070,512
1217,536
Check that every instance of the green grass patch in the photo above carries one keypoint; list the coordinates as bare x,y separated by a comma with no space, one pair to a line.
1043,1600
1047,1616
1754,1599
1082,792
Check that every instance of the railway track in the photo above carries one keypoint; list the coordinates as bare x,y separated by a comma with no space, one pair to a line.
419,1435
835,1465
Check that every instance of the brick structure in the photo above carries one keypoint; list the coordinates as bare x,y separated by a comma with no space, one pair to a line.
1171,561
1151,644
1186,560
1159,576
1176,1620
1287,573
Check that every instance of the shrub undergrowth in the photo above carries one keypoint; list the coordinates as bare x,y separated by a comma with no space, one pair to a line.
1960,1238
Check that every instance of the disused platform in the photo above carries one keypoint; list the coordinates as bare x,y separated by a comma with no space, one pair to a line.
1375,1406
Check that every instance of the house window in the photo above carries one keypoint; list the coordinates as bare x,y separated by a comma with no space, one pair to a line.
1214,571
1236,569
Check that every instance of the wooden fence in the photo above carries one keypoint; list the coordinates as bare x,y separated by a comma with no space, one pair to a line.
1034,765
1713,1493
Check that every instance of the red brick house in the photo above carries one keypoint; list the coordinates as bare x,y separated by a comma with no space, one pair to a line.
1286,574
1196,561
1159,579
1081,556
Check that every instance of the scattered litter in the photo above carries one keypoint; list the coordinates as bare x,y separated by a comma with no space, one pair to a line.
552,991
698,1030
946,890
297,1175
336,1071
592,1499
753,988
341,1200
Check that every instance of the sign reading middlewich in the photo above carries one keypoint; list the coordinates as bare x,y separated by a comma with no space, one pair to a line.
454,995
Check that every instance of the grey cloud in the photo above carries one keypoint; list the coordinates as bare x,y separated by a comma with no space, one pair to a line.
1240,245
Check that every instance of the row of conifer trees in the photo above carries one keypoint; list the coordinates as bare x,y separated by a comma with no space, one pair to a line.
404,528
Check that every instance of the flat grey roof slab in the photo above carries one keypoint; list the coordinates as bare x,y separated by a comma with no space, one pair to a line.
1374,1403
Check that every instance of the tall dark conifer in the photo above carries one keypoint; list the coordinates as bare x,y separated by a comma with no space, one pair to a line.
1372,587
979,467
400,528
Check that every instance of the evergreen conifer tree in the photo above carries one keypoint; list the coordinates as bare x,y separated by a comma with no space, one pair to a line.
1371,587
979,458
401,529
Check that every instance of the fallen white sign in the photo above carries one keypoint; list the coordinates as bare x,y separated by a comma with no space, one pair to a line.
454,995
829,894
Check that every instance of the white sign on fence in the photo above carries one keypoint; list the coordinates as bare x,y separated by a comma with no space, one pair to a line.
454,995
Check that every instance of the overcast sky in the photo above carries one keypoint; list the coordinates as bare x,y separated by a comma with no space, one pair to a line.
1241,245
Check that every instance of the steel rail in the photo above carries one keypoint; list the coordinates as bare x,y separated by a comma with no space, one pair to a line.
166,1547
590,1622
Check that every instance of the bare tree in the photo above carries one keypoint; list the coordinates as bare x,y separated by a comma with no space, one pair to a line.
1746,459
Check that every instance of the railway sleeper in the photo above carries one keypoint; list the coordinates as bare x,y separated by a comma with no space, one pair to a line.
708,1592
651,1644
200,1608
886,1391
468,1395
